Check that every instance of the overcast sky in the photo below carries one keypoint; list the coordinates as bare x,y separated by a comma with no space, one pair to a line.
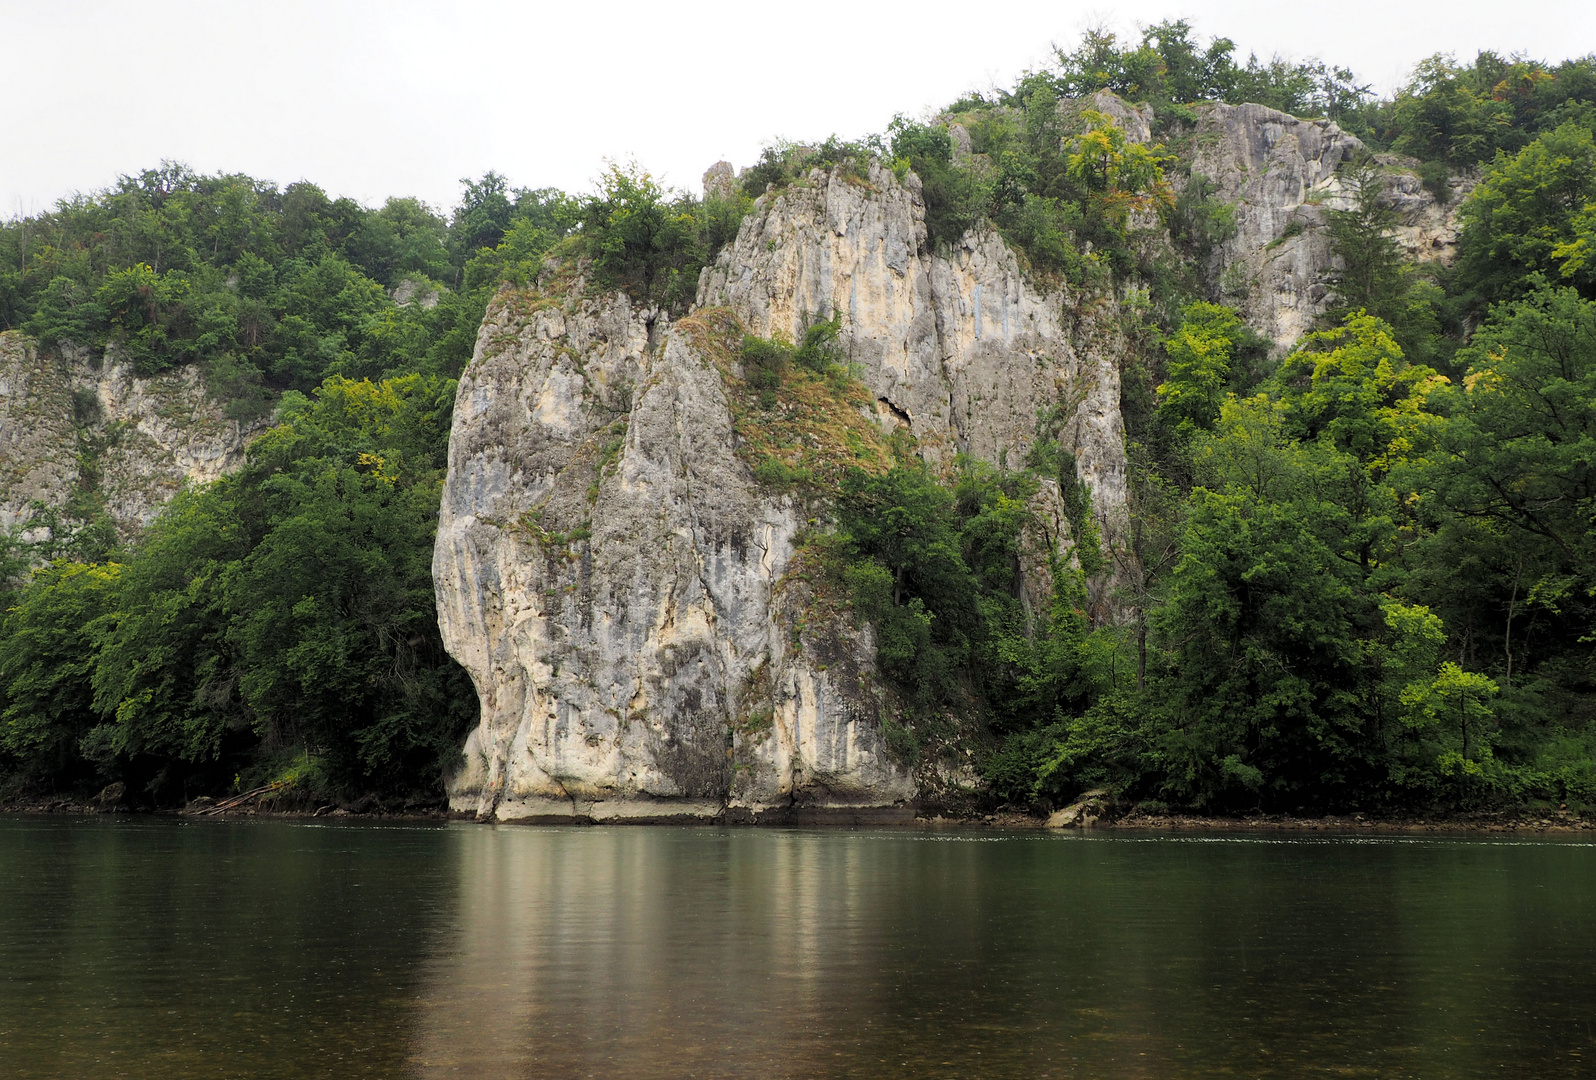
396,98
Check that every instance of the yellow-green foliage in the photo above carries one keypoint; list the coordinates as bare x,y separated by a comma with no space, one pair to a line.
817,425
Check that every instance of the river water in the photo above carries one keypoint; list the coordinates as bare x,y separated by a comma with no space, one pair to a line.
170,949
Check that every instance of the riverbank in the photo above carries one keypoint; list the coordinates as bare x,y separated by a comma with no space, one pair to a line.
1498,821
1561,821
1501,821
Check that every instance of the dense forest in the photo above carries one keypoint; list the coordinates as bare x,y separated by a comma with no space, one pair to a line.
1358,575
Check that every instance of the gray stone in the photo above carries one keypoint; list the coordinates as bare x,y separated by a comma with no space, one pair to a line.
417,290
667,665
1084,812
959,140
720,181
1281,174
146,436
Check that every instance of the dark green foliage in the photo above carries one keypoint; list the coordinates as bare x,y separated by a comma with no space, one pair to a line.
1528,216
1356,575
1262,615
783,163
1375,594
1055,183
1372,276
772,170
955,199
1275,621
1465,113
1200,222
271,290
47,658
652,242
1359,585
1437,179
909,579
763,361
719,218
484,213
937,574
285,612
1371,263
1515,490
1169,67
289,605
819,351
642,238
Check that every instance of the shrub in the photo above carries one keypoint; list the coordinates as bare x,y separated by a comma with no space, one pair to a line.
763,362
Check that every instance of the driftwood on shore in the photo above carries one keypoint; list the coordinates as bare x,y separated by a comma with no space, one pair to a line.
239,800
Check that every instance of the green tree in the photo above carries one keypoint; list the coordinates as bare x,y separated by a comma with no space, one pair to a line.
909,579
48,651
1352,387
483,215
1524,217
642,238
165,681
1361,237
1198,366
1513,481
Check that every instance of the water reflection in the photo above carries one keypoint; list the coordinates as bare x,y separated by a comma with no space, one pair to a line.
693,952
158,948
689,951
149,949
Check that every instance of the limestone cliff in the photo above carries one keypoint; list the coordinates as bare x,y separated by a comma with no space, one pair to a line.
630,600
72,423
634,605
1281,174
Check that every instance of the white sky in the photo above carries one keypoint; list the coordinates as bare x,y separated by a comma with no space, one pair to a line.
403,98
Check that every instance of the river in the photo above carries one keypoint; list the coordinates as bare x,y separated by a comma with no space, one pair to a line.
170,949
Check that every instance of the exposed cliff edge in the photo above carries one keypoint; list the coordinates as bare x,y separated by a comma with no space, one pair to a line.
1281,174
70,427
618,583
630,600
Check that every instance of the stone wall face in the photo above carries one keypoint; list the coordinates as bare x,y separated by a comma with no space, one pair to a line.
1281,175
143,438
620,587
638,644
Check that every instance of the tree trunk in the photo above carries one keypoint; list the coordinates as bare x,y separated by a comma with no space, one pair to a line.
1141,649
1507,643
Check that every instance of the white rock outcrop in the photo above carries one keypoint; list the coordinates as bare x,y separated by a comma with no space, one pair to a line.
630,602
141,438
1281,174
617,583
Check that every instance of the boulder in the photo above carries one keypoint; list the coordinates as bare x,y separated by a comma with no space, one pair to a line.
1084,812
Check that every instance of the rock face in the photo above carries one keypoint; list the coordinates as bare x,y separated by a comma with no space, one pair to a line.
634,606
641,670
1084,812
1280,173
957,347
630,602
67,424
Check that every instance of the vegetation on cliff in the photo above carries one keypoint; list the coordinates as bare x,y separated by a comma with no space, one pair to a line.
1360,574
